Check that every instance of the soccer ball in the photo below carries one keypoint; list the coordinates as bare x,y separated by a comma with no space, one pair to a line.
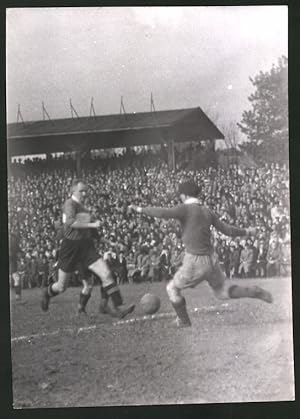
150,303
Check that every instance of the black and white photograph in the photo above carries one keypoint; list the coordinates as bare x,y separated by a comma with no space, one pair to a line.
148,190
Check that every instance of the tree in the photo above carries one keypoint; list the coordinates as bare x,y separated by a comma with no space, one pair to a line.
266,124
231,135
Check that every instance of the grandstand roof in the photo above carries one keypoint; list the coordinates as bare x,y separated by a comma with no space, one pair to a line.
109,131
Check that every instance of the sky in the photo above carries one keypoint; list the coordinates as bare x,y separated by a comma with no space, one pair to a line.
186,56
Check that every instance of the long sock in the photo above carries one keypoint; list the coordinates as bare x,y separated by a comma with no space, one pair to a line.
18,290
116,298
103,294
83,300
103,306
114,294
181,311
236,291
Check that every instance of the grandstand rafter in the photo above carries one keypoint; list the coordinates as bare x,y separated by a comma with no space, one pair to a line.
110,131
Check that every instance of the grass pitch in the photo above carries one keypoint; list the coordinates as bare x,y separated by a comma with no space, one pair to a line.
235,351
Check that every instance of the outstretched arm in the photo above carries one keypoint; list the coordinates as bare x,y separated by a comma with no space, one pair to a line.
230,230
158,212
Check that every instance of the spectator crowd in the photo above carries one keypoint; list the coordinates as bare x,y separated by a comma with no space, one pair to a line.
139,248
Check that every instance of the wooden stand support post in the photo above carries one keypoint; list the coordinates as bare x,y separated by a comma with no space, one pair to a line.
171,155
78,163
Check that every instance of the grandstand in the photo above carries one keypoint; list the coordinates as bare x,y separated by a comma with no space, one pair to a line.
83,134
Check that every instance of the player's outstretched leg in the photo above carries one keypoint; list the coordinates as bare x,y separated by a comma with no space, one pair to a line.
236,291
224,291
54,289
111,290
179,304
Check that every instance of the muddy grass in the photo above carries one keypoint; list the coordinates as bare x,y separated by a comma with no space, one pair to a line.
233,353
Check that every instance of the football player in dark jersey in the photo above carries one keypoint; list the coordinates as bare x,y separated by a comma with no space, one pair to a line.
77,248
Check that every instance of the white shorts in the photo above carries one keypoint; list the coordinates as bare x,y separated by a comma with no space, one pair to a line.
198,268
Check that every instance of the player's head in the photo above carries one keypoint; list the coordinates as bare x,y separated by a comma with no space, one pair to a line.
79,189
188,189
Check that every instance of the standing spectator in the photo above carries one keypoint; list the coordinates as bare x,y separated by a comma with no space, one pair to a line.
234,260
43,270
33,272
27,278
273,258
277,210
223,256
21,270
285,233
154,265
285,260
246,260
164,264
143,263
132,267
254,260
122,271
261,261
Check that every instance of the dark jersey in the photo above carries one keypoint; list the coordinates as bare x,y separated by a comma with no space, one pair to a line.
196,221
70,209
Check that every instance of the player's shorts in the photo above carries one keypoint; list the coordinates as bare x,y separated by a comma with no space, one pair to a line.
198,268
77,254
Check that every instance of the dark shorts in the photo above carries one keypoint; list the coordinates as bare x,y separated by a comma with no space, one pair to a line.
77,255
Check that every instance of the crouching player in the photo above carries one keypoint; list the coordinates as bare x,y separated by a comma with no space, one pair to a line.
200,262
77,249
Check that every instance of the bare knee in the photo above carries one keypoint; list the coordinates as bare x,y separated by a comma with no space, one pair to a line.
62,284
173,292
102,270
87,287
169,287
16,279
